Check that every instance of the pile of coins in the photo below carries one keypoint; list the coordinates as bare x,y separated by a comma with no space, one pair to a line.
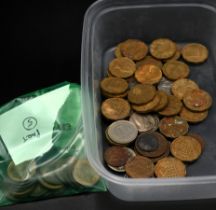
149,104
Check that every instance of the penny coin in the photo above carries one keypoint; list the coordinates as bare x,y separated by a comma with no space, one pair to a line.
149,60
115,108
174,70
117,52
141,94
148,74
173,127
163,101
176,56
170,167
195,53
198,138
139,167
165,85
122,67
181,86
162,48
186,148
134,49
173,107
197,100
108,95
165,154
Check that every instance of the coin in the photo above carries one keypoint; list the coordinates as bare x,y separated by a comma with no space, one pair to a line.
197,100
195,53
173,107
115,108
165,85
165,154
39,191
132,82
176,56
108,95
141,93
117,52
163,101
148,74
145,122
174,70
181,86
173,127
122,132
186,148
134,49
122,67
193,117
199,139
170,167
149,60
139,167
162,48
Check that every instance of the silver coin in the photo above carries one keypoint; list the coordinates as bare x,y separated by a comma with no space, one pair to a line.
165,85
145,122
122,132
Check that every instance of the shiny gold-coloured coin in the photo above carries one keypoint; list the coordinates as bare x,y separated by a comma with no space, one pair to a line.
134,49
122,67
195,53
181,86
162,48
115,108
163,101
170,167
117,52
148,74
141,94
149,60
186,148
174,70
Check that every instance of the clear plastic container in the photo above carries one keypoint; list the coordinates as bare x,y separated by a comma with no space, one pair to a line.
109,22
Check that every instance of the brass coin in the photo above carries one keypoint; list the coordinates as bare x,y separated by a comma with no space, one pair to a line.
148,74
197,100
149,60
162,48
174,70
115,108
117,52
181,86
134,49
122,67
186,148
173,107
141,93
165,154
176,56
173,126
195,53
163,101
199,139
139,167
170,167
108,95
193,117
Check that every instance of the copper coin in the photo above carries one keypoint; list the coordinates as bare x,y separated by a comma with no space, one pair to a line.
165,85
199,139
174,70
165,154
173,107
141,93
162,48
176,56
139,167
163,101
134,49
149,60
148,74
181,86
115,108
170,167
122,67
117,52
195,53
173,127
197,100
186,148
108,95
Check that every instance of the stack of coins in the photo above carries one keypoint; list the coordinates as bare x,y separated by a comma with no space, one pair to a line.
149,103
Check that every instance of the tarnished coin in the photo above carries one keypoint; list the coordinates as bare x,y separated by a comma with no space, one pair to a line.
134,49
165,85
199,139
173,127
173,107
174,70
193,117
117,52
139,167
108,95
163,101
176,56
170,167
186,148
149,60
162,48
141,93
148,74
122,67
122,132
197,100
195,53
165,154
145,122
115,108
181,86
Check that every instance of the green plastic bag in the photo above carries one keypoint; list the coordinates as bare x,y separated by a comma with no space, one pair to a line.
42,147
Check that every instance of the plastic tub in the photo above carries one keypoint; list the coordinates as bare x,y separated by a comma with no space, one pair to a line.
110,22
